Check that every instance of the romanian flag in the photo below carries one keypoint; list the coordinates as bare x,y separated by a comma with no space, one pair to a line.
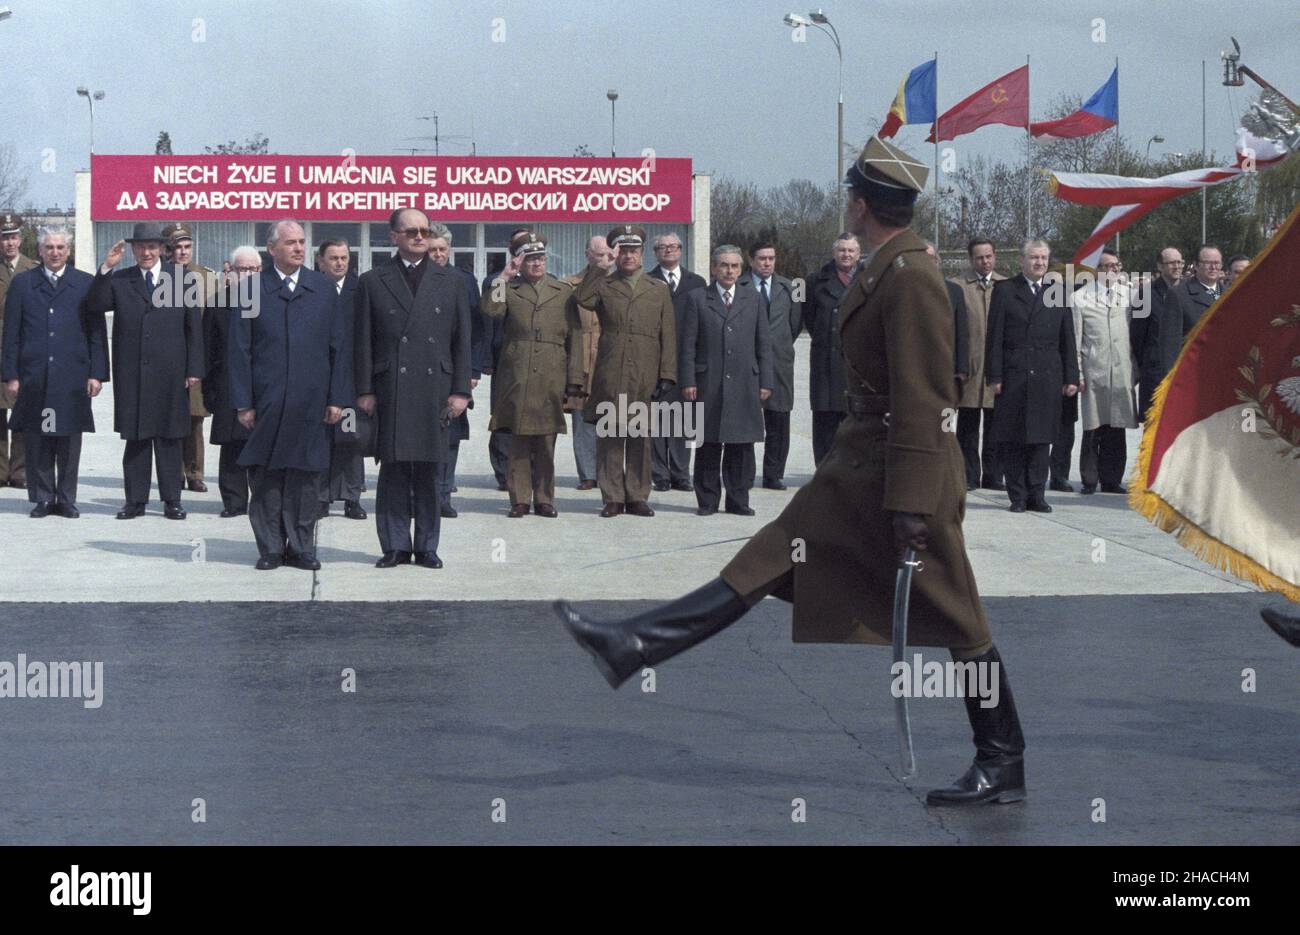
1219,465
1099,112
1005,101
914,102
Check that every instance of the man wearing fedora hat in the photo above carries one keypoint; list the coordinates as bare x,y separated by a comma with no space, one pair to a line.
12,262
157,356
893,480
636,362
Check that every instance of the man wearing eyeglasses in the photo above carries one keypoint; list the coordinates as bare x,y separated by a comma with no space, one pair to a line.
1157,325
1205,286
670,459
412,351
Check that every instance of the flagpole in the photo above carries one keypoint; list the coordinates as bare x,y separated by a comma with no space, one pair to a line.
1117,142
936,153
1029,189
1203,147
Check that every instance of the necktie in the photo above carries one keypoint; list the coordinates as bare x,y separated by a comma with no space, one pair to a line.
148,281
726,298
767,302
1033,287
288,283
672,281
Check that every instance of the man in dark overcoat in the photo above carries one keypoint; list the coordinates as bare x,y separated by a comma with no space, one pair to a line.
12,262
1158,324
157,356
821,316
776,296
727,366
412,374
227,433
1031,363
893,480
55,361
347,471
290,380
670,458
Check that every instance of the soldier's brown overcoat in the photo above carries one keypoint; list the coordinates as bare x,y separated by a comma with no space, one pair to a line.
638,336
897,335
22,264
541,353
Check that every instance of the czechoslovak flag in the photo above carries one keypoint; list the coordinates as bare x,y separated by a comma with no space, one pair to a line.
914,102
1219,465
1099,112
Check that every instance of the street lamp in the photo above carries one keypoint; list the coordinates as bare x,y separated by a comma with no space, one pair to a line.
1155,139
613,96
822,22
83,91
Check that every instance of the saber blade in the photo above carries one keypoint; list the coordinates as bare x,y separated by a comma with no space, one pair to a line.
902,593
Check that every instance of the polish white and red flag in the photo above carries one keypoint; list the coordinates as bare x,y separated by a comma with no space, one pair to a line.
1219,465
1131,199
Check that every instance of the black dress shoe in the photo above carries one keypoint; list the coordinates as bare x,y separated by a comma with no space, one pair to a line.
1061,486
41,510
662,485
448,511
545,509
1283,617
67,511
611,509
428,560
774,485
1038,506
992,485
197,485
1113,488
586,485
173,510
1017,508
393,559
683,485
638,508
269,562
517,510
303,562
18,482
502,487
131,511
970,487
237,511
352,510
740,511
1088,489
705,510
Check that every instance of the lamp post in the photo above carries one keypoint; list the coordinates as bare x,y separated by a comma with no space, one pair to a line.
1155,139
822,22
90,97
613,96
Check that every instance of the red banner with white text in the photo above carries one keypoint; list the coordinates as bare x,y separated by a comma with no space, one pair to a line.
369,188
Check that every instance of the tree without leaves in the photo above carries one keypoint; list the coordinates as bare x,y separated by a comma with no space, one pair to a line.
164,145
253,146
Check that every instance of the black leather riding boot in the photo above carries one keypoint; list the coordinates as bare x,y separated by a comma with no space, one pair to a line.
1284,617
622,647
998,773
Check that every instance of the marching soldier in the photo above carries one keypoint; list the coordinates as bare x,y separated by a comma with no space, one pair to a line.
893,480
636,363
12,262
180,249
541,357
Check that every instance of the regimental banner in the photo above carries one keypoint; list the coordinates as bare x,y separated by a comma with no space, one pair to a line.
1219,465
369,188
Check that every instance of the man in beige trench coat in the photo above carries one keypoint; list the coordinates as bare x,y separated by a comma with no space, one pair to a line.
894,479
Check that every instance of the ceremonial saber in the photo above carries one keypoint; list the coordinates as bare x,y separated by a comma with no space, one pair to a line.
902,593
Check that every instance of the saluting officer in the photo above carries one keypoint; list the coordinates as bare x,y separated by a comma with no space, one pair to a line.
636,363
892,480
540,357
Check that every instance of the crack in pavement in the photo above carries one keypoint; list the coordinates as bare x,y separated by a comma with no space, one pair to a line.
929,812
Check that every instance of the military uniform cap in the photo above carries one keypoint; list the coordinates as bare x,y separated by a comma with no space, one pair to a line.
174,232
626,235
10,223
890,175
526,243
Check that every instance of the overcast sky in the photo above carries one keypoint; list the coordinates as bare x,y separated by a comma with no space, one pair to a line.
721,82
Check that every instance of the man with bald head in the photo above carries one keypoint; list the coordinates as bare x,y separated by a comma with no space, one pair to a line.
290,380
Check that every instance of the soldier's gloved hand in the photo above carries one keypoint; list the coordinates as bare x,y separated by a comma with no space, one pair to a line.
910,530
663,386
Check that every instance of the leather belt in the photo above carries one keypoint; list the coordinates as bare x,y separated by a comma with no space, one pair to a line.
862,405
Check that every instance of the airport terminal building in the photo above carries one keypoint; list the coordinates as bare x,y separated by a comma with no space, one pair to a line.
232,200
